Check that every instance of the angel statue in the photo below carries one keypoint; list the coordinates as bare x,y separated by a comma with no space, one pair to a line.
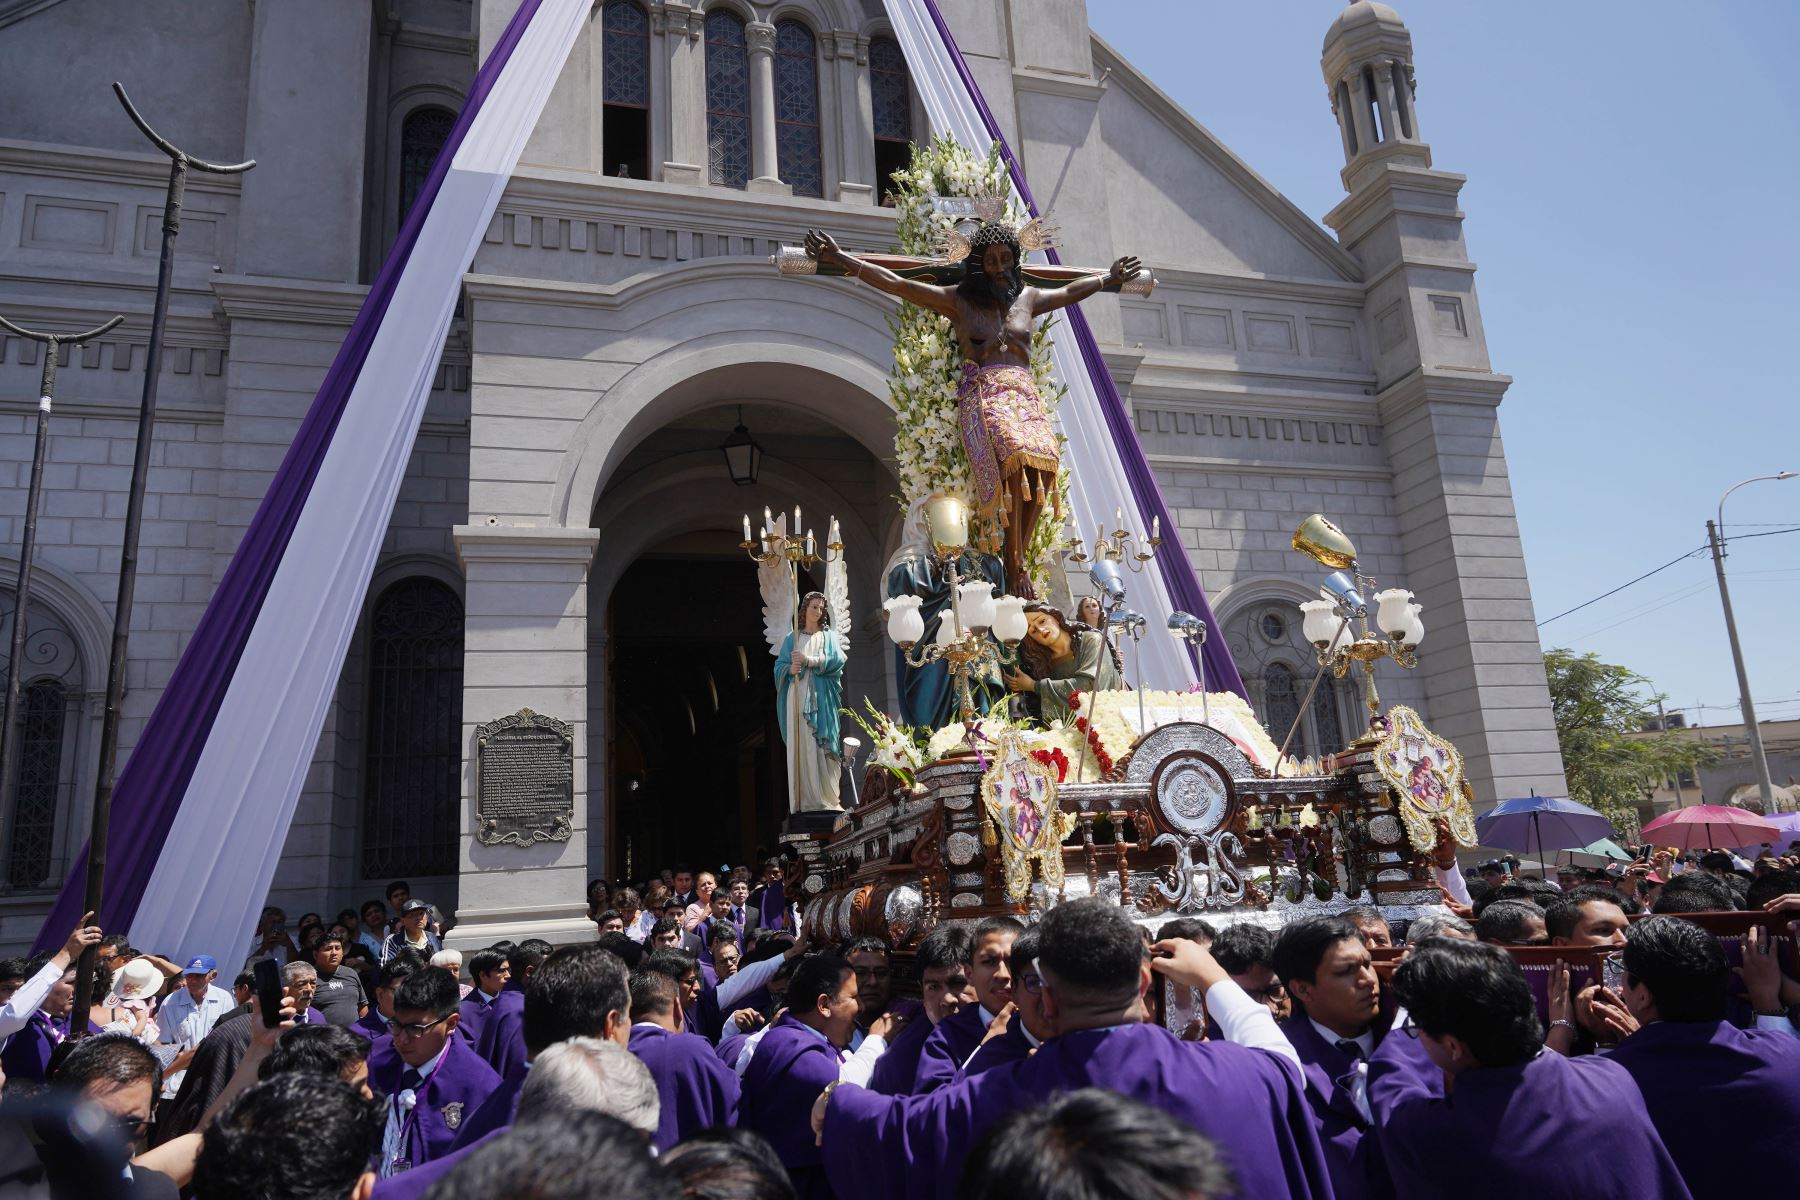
1013,456
811,644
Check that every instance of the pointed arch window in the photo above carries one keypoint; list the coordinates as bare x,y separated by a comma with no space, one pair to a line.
890,88
727,100
625,71
797,109
422,136
413,759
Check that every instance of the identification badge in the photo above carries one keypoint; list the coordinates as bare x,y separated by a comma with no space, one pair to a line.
453,1114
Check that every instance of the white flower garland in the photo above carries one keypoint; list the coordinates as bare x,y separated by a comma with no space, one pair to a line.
928,447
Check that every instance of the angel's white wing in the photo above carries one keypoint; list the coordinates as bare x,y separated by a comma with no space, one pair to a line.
777,594
837,595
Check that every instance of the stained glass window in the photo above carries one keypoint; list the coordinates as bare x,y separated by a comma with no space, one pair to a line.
421,137
1328,729
891,91
727,100
1281,703
625,40
43,715
413,774
797,109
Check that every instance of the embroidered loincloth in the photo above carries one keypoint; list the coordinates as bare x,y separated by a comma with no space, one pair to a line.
1005,430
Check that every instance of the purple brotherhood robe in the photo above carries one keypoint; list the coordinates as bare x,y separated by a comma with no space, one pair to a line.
1250,1102
502,1040
413,1184
1548,1129
1353,1156
371,1025
894,1070
496,1112
948,1048
1009,1047
791,1067
697,1090
1725,1100
475,1012
452,1094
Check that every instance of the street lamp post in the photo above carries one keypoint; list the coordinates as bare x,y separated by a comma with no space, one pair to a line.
1715,536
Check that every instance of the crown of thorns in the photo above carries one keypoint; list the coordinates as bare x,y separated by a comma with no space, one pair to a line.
1039,233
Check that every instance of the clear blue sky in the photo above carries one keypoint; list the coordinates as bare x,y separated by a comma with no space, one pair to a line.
1634,170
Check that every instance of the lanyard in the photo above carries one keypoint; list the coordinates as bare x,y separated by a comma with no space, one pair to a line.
410,1117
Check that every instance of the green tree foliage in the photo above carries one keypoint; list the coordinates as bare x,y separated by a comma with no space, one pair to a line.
1602,714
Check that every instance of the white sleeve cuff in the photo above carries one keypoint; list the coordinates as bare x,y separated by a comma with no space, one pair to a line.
860,1066
1247,1022
1455,884
1775,1024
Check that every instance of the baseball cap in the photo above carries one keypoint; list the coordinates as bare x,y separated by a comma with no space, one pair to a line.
413,906
200,964
1493,864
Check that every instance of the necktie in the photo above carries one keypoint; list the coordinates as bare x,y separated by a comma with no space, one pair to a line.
737,915
410,1080
1351,1048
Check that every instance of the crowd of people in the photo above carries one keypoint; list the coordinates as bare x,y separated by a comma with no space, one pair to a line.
699,1046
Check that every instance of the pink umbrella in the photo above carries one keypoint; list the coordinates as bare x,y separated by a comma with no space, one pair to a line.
1709,825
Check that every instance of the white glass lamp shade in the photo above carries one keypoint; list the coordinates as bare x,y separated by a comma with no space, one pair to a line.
1415,628
904,623
1390,610
1321,621
1345,636
947,631
977,601
1009,619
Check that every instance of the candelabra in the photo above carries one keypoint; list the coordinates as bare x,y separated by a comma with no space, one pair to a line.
963,643
774,545
1121,547
1328,619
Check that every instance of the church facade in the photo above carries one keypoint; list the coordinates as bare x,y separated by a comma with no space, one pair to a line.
566,539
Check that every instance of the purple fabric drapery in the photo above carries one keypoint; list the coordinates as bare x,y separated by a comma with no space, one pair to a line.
155,778
1178,574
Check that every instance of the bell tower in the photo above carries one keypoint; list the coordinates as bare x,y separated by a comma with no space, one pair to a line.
1438,398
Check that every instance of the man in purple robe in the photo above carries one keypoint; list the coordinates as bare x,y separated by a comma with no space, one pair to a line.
697,1091
502,1040
1246,1095
579,991
955,1038
490,971
1335,1028
1029,1027
1464,1093
801,1054
434,1081
27,1053
392,973
942,960
1709,1086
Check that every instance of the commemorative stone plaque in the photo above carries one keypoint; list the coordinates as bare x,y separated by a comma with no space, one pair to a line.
524,780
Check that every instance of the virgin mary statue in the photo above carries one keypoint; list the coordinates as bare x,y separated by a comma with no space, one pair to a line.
809,685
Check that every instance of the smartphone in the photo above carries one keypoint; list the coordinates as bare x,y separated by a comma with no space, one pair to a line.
268,991
1644,852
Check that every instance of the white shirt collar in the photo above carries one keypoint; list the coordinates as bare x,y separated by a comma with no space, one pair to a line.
1365,1040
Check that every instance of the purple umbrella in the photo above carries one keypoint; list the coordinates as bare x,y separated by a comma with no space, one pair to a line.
1541,823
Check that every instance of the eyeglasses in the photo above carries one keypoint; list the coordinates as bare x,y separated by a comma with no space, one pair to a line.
1034,984
407,1032
131,1128
1263,995
873,972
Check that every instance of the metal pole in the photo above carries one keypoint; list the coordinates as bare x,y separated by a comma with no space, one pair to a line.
179,162
9,715
1745,703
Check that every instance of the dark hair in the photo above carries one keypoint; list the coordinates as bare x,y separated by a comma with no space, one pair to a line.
1367,914
672,961
609,914
1775,883
824,619
627,898
571,995
945,946
12,968
662,926
329,936
40,960
244,979
115,1059
1303,945
866,944
993,925
727,1163
623,948
485,962
1474,992
1243,946
976,285
326,1050
1506,921
653,992
1682,965
818,975
528,955
722,931
1716,860
120,943
1695,891
1025,949
293,1137
1091,947
1092,1144
395,970
368,904
1191,928
554,1157
432,990
1561,918
1510,891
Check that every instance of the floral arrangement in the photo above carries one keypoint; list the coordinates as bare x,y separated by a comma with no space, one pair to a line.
928,447
892,746
1054,757
1107,720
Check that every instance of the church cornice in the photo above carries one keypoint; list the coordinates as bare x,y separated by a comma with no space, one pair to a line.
1266,286
53,161
542,191
1456,385
1202,140
289,301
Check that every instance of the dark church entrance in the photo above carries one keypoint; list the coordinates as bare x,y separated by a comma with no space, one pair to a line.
698,769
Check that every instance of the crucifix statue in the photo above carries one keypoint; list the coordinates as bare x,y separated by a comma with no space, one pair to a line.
992,299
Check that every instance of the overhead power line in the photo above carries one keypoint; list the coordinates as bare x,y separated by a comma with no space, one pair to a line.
1694,553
